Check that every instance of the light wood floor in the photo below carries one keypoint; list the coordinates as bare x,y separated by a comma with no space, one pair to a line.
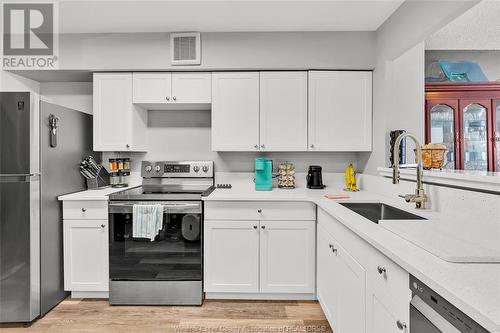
75,315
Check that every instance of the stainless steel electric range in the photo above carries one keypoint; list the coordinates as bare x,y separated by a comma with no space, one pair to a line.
169,268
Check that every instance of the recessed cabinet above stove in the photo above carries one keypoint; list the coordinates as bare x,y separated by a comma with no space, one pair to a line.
172,90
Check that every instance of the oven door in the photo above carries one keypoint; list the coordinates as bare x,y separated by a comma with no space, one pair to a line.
175,254
424,319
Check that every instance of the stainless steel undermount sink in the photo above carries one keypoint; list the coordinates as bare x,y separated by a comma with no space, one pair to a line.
376,211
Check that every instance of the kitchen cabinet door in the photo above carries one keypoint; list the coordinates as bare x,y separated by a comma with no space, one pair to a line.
327,278
86,263
287,256
231,255
192,88
152,88
351,292
235,111
341,285
118,125
340,111
283,111
442,121
385,310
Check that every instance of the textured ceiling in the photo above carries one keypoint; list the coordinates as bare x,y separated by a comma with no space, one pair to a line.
477,29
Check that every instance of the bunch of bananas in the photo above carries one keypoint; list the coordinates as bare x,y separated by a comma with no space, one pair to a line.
350,178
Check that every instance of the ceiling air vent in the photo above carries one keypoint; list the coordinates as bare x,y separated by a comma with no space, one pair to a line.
185,48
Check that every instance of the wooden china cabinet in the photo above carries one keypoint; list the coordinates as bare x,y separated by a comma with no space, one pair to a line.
466,118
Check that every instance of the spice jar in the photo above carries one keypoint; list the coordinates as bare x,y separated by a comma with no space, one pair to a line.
114,179
112,164
124,177
126,164
119,162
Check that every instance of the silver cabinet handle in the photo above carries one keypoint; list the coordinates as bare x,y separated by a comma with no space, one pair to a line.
167,98
312,146
84,210
256,146
174,98
103,226
381,270
401,325
259,211
127,145
262,146
263,227
255,227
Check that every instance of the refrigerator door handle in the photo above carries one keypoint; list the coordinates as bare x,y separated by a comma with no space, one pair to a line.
10,178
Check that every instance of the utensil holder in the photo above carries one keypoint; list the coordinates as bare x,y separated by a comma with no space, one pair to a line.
102,180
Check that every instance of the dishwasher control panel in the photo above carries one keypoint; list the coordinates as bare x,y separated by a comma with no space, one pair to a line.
445,309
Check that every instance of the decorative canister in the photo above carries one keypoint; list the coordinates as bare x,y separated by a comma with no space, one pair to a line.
286,175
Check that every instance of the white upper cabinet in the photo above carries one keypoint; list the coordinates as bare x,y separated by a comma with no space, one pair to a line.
152,87
235,111
340,111
192,88
172,88
118,125
283,111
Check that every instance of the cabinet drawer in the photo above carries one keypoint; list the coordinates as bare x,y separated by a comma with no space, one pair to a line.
85,210
260,210
389,275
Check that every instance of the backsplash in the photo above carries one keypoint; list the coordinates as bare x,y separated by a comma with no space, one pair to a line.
186,135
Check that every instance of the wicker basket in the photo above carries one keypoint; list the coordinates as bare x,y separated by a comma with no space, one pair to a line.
433,157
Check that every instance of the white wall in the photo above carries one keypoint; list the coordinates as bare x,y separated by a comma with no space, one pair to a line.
238,50
399,73
72,95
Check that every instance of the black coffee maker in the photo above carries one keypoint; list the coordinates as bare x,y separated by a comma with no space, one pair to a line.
314,178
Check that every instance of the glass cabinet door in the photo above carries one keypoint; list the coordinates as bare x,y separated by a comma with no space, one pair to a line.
442,130
475,143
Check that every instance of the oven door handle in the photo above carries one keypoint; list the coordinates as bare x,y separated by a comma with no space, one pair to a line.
432,316
166,207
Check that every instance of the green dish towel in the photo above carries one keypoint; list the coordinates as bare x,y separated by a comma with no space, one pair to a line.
147,221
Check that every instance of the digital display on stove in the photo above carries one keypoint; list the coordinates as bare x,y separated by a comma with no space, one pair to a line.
177,168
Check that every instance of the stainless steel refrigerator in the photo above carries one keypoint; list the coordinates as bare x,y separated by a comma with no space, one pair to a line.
32,175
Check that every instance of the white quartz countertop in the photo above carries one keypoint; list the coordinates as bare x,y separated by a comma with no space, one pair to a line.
472,287
92,195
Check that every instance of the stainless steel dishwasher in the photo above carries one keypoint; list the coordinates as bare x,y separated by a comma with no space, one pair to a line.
431,313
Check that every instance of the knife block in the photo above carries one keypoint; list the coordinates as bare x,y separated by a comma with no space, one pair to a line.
102,180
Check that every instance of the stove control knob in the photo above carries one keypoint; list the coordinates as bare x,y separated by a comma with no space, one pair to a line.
205,168
158,168
148,168
196,168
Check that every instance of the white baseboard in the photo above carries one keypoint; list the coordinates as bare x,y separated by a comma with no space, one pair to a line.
89,294
261,296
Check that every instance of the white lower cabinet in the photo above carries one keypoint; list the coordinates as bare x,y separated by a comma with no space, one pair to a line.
287,259
231,256
341,285
385,310
266,257
354,295
85,255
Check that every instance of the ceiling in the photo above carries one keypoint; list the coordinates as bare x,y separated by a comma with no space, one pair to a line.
476,29
222,16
